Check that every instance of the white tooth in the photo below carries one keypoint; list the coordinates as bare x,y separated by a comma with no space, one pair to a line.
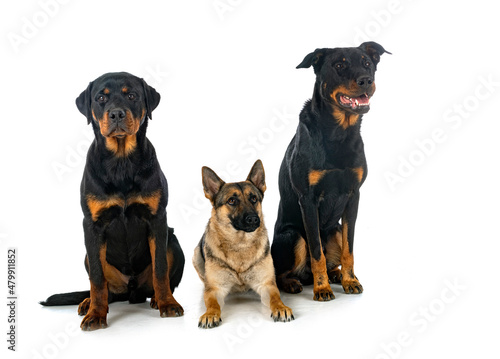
357,103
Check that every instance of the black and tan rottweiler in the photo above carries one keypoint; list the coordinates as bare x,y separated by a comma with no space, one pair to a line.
321,173
233,254
132,254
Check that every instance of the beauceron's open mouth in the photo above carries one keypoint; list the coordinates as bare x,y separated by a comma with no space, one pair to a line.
354,103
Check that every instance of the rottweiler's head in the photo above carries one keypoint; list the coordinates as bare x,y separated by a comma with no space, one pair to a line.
237,205
117,104
345,77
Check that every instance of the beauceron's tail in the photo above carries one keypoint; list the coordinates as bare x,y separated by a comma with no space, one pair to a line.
66,298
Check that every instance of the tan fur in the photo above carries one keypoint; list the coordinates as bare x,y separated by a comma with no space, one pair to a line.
235,261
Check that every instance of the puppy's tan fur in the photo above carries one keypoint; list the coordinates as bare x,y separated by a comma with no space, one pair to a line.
230,259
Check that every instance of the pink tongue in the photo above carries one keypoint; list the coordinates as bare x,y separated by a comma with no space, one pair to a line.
362,100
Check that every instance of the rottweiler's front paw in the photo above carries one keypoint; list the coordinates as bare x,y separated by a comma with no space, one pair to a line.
167,309
94,320
209,320
171,310
84,306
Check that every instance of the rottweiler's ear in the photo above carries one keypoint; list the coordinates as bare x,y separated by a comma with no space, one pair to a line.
257,176
211,183
151,97
315,59
373,50
83,102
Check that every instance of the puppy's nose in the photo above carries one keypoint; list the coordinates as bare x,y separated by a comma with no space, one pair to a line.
252,220
117,114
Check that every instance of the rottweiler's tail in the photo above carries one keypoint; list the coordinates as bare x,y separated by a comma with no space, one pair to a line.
66,298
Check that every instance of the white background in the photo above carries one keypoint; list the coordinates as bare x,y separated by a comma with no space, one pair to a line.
426,241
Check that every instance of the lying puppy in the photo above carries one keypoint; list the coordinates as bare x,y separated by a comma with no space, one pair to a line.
233,254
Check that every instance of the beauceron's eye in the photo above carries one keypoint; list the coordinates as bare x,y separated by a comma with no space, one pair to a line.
339,66
131,96
367,63
101,98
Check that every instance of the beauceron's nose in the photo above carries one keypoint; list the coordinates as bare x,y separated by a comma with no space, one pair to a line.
364,81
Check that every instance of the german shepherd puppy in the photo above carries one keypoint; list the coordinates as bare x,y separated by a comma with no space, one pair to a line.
234,254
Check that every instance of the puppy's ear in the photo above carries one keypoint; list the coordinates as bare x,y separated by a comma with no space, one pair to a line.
212,184
84,102
373,50
151,98
315,59
257,176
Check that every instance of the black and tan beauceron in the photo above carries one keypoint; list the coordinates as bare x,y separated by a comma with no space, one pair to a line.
233,254
132,254
321,173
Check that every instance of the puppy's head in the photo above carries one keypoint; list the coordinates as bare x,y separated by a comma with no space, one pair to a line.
118,104
346,76
237,204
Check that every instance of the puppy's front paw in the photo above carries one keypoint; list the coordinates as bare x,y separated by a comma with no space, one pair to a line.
169,308
94,320
209,320
84,306
282,314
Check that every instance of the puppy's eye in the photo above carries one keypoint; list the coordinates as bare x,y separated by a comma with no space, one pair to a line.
253,199
101,98
131,96
231,201
339,65
367,63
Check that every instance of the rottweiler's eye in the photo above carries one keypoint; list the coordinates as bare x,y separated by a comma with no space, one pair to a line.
253,199
131,96
231,201
367,63
101,98
339,65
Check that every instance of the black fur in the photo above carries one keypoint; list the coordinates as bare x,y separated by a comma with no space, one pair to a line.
122,166
327,147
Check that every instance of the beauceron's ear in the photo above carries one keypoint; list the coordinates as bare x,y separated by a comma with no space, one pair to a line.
315,59
84,102
373,50
257,176
151,98
212,184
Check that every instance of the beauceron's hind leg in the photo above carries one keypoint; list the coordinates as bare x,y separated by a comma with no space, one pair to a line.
290,256
333,251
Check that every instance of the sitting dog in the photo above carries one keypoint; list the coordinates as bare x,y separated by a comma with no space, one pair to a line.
321,173
132,254
233,254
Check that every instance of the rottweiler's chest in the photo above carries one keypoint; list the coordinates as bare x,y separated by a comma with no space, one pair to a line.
126,221
113,206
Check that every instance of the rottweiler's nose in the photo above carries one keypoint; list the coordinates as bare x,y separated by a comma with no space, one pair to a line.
117,114
252,220
364,81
